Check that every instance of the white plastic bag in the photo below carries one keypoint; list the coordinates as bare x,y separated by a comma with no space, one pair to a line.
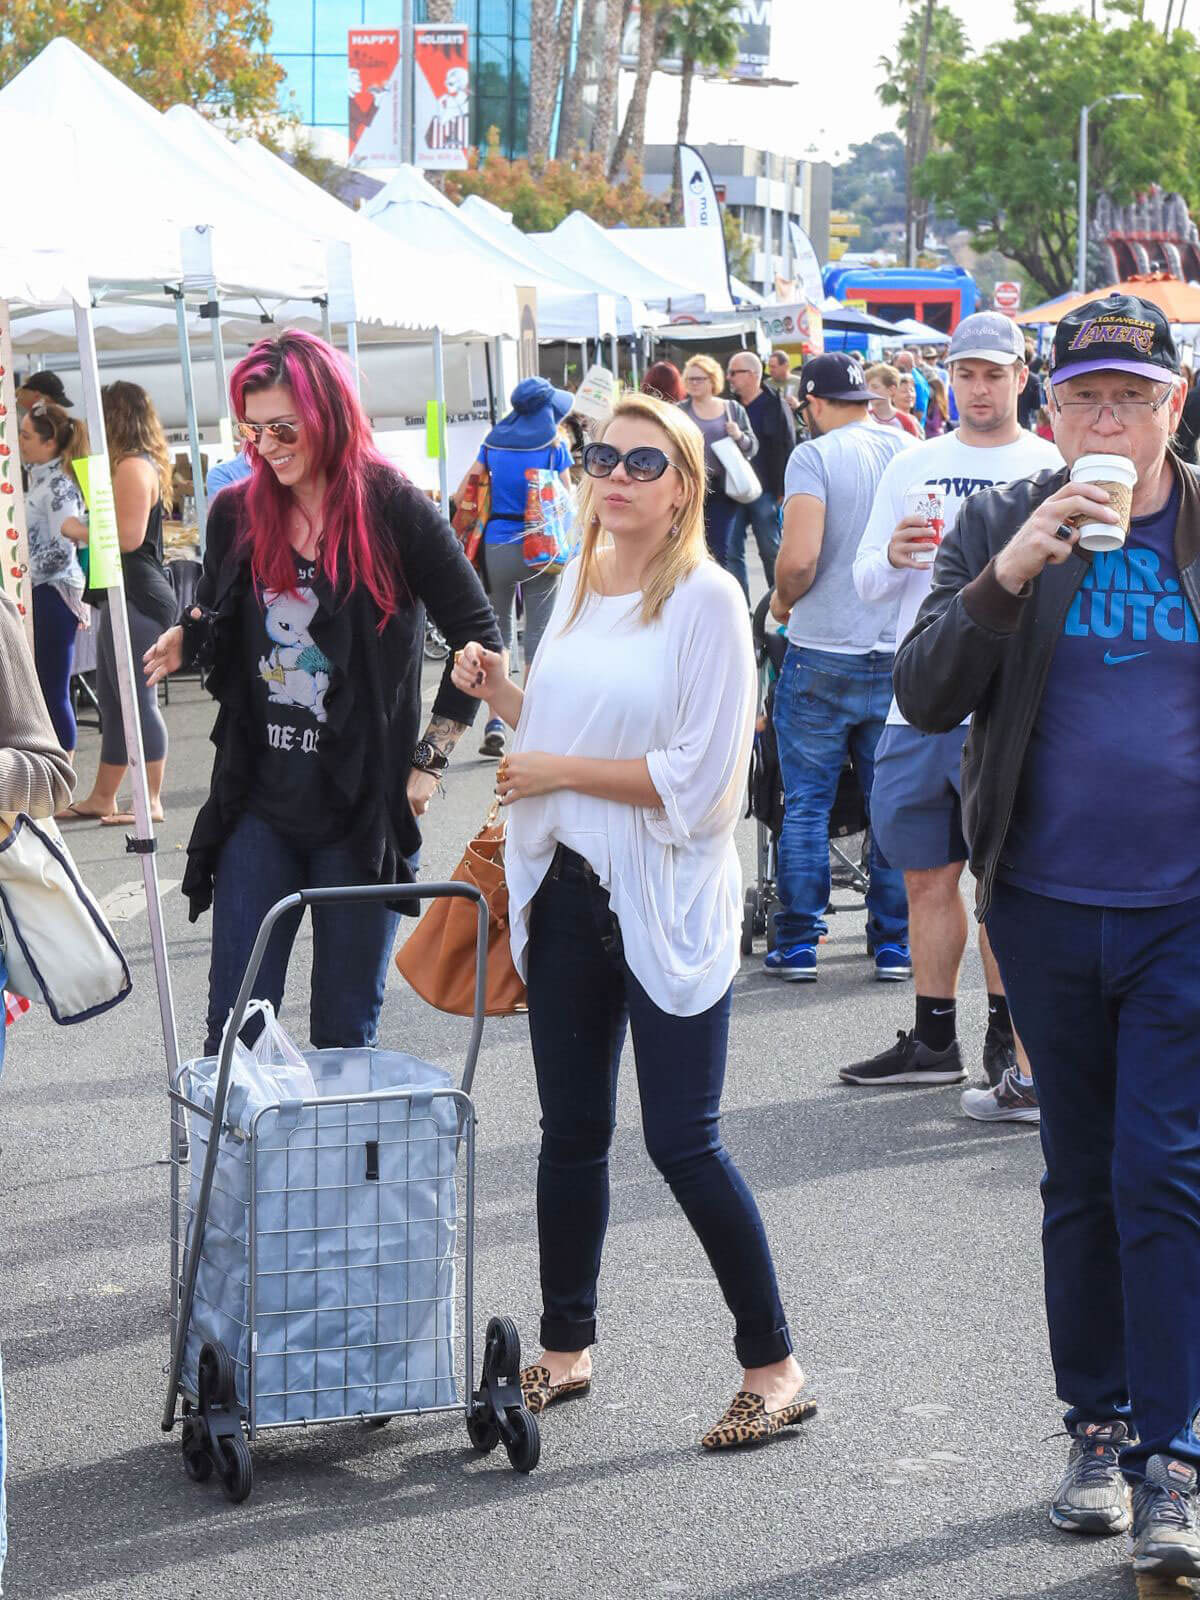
276,1052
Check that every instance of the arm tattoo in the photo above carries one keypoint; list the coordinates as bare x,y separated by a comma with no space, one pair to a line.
444,734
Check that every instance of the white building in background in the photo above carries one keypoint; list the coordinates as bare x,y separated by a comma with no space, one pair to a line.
762,190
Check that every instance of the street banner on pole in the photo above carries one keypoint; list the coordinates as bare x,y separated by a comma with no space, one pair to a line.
374,112
14,556
806,269
528,365
701,208
442,97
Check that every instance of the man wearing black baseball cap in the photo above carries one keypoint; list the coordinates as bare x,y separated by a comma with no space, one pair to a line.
1081,795
839,661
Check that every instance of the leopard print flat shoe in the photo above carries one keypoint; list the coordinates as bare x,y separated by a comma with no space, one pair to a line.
749,1422
538,1392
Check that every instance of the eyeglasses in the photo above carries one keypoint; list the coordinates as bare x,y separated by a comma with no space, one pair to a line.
1125,413
285,432
696,377
643,463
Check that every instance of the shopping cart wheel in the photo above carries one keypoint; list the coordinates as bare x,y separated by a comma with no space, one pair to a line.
749,920
197,1462
482,1428
524,1444
237,1468
217,1375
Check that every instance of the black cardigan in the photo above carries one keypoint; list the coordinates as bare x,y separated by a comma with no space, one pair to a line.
373,703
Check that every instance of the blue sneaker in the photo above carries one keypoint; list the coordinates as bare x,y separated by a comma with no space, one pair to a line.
893,963
795,962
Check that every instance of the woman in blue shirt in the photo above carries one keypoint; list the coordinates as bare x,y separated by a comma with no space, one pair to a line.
526,439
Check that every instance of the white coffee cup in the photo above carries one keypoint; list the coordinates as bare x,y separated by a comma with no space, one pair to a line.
927,501
1118,475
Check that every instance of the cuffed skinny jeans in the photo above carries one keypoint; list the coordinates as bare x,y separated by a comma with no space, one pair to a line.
582,994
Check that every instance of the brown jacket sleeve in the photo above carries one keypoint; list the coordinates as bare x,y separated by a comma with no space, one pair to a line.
35,775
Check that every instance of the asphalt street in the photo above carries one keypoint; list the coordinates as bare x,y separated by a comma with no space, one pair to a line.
907,1246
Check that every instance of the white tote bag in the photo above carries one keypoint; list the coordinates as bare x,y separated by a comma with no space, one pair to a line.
741,480
60,950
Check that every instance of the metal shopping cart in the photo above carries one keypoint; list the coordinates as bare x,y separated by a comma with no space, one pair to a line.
323,1248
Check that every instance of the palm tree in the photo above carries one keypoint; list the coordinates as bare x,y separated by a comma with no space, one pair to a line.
656,18
604,124
931,40
550,24
702,33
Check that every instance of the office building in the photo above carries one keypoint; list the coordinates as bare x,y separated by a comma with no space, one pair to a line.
308,40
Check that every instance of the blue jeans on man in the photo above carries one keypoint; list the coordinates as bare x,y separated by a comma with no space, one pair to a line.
1107,1003
829,706
762,515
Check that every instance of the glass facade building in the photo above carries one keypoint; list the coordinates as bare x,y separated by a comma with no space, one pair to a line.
308,40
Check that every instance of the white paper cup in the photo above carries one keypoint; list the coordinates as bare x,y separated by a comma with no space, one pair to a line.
928,501
1118,475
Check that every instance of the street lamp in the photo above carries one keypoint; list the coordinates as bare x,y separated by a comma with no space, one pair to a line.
1081,268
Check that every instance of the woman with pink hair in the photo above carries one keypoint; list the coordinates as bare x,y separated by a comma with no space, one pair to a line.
310,622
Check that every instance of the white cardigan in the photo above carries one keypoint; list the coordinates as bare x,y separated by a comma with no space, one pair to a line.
680,692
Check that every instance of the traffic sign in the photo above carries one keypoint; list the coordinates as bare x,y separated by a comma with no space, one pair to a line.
1007,297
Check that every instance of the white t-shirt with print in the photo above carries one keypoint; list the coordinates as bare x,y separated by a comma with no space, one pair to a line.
959,470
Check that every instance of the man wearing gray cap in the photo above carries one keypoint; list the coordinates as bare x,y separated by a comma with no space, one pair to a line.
916,810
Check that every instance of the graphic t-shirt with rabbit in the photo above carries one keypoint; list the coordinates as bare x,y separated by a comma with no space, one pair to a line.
291,679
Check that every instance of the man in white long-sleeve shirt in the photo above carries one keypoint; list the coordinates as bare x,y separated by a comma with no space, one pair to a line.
915,808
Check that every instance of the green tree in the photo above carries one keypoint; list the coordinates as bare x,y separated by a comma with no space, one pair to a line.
931,40
870,185
1007,122
539,198
702,33
198,52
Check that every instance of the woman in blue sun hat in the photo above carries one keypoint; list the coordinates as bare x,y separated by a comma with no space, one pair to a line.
527,438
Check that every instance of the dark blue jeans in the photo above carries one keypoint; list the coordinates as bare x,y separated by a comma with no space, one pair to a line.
1108,1006
351,943
581,996
826,707
720,514
763,516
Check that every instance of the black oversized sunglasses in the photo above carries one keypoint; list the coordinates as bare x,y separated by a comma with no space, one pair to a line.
644,463
285,432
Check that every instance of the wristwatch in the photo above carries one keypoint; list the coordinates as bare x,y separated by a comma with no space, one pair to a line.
428,758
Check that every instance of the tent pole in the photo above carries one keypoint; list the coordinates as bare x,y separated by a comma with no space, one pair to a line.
439,395
326,324
499,400
633,353
491,381
189,395
616,356
218,350
352,353
142,842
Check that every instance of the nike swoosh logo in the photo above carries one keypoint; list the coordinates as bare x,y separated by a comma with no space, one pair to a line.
945,1012
1111,660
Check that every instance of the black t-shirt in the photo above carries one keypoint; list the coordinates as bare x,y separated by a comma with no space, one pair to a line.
291,677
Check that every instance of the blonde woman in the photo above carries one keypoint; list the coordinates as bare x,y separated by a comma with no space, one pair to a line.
717,419
141,476
625,784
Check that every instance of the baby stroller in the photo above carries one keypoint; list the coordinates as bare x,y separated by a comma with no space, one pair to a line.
849,835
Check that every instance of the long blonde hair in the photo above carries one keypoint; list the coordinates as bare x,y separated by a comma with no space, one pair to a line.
133,429
684,548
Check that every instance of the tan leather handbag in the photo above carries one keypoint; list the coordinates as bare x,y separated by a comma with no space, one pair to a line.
438,957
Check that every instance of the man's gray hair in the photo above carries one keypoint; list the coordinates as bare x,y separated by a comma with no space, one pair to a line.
751,360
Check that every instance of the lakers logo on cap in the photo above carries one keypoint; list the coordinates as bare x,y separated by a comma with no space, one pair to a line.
1115,330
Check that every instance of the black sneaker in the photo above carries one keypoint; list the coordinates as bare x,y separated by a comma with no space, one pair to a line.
1165,1540
1093,1497
493,744
999,1055
908,1061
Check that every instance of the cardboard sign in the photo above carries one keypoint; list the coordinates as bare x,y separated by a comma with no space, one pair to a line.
374,111
442,96
14,556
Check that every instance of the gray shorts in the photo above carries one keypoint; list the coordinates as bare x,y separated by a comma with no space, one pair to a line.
916,798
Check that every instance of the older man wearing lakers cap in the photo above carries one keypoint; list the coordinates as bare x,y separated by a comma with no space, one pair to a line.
1081,799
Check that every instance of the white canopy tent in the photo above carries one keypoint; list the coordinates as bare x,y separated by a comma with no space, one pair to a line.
687,256
910,331
632,316
409,207
578,238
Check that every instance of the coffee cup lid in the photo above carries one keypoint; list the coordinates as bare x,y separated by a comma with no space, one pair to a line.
1120,466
